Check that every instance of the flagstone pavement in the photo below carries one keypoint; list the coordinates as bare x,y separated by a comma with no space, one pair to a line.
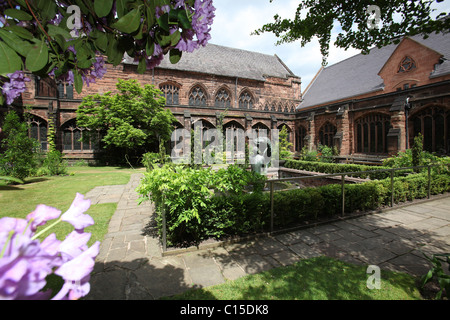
132,266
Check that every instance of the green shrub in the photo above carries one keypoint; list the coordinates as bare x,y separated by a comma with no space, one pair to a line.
331,168
191,199
54,163
18,159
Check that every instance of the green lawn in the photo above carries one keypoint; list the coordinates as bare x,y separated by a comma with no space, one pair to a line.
19,200
319,278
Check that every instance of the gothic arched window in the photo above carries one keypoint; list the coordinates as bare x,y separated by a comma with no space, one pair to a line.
246,100
171,93
371,133
326,134
78,139
301,135
223,99
197,97
38,130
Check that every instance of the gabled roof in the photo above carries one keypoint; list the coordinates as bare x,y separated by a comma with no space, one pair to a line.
358,75
230,62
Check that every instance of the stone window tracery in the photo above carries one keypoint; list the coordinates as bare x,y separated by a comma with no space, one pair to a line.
197,97
171,93
223,99
371,133
246,100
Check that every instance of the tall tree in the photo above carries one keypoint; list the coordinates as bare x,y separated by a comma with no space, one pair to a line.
132,119
363,23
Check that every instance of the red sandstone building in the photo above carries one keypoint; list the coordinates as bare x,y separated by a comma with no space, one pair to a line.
356,105
371,106
251,90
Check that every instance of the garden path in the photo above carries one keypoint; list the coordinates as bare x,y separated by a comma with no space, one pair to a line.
131,265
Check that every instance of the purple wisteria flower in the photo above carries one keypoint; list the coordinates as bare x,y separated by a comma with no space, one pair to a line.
25,262
15,86
202,20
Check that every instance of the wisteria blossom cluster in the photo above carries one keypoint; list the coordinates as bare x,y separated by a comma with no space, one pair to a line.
15,86
72,46
25,262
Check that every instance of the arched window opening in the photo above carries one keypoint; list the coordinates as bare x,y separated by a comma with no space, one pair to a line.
79,139
300,141
37,129
371,134
245,100
197,97
433,124
171,93
223,99
326,134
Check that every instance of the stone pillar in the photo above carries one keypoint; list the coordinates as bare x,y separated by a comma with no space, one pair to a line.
397,134
342,138
311,137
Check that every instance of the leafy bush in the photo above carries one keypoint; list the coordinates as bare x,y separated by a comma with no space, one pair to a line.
331,168
18,159
189,196
54,163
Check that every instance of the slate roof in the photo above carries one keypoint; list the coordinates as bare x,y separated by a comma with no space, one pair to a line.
358,75
225,61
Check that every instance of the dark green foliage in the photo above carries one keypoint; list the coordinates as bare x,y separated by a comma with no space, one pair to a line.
133,120
18,159
54,164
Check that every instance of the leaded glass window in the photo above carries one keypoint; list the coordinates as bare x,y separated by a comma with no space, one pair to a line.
246,100
223,99
197,97
171,93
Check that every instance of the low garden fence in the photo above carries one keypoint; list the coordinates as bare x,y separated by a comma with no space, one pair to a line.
392,171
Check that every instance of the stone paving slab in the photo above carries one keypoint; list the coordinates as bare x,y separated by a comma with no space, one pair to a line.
131,265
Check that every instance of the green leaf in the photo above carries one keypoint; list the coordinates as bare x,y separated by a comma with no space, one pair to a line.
37,57
14,42
21,32
78,81
9,60
11,179
103,7
175,56
102,42
130,22
163,22
184,20
121,6
18,14
142,67
55,30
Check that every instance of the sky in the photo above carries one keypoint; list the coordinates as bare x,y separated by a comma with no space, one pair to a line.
236,19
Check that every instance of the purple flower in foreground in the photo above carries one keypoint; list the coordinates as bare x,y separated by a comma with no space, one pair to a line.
15,86
41,215
75,215
25,262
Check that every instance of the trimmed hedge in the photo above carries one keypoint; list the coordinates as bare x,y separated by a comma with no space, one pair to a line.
241,213
331,168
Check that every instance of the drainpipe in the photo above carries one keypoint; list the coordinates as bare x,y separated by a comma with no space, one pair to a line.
235,93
